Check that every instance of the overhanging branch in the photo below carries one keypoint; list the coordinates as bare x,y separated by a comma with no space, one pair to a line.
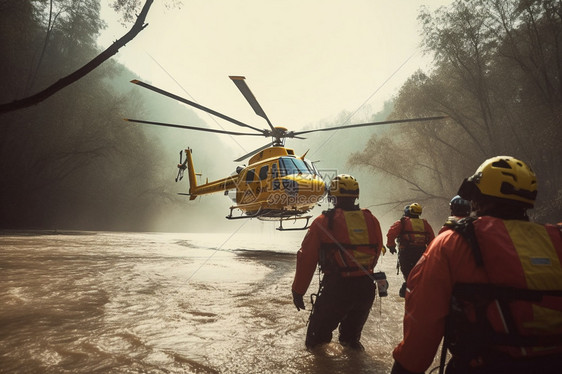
84,70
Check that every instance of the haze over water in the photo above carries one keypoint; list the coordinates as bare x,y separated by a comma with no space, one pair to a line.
169,303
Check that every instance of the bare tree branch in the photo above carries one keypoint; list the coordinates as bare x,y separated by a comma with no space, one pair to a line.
138,26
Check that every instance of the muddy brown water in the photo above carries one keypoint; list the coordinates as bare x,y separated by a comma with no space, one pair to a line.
102,302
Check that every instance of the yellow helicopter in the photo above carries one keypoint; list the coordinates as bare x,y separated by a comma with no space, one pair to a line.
277,184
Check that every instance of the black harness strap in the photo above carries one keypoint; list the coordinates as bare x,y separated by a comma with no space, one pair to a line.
465,228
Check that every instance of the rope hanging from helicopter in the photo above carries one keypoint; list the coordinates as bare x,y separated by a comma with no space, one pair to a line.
216,250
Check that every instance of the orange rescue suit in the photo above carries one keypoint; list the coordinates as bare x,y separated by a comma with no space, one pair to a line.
410,232
354,240
515,253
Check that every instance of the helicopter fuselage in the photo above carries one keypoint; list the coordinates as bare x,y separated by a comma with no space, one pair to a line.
275,184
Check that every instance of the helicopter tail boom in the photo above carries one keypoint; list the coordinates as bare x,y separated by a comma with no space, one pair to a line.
195,190
191,174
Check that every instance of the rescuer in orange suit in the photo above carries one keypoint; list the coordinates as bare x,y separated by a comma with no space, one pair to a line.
491,285
413,234
345,242
460,208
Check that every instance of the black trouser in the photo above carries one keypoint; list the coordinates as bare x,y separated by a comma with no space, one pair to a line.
408,257
342,301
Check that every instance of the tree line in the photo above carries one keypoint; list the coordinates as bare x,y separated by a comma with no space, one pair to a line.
72,162
498,76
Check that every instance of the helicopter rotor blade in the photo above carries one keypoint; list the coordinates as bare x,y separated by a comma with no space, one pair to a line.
243,87
369,124
190,127
254,152
195,105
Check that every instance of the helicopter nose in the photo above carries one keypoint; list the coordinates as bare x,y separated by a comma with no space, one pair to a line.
321,186
316,186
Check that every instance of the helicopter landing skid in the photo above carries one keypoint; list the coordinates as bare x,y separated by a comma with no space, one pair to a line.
264,215
281,228
254,215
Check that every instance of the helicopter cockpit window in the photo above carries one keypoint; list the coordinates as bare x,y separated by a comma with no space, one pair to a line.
291,166
250,175
263,172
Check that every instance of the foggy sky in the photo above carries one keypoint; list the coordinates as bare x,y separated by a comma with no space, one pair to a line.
304,61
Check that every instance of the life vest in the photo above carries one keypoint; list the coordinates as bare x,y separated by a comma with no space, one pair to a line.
519,313
413,232
351,248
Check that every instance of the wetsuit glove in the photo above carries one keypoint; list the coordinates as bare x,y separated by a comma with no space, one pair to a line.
298,301
392,249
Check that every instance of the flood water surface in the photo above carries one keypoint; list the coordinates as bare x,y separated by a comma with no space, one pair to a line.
169,303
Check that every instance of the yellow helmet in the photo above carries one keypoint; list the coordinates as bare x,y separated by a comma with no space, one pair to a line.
503,177
415,209
344,185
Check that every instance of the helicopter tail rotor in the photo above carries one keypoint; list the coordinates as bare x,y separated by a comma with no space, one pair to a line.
181,166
